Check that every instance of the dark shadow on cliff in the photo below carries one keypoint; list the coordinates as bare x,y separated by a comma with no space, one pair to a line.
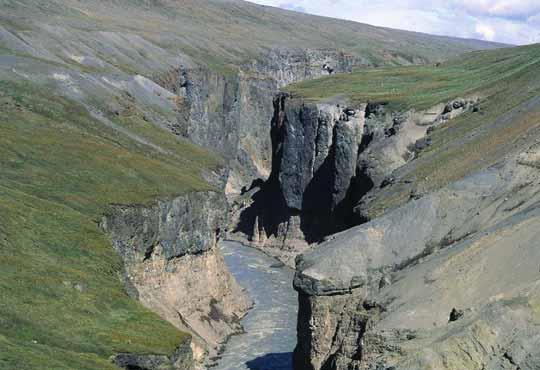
271,209
272,361
344,212
269,206
322,212
361,184
321,217
317,222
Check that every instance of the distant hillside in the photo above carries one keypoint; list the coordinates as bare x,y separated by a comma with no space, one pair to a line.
142,35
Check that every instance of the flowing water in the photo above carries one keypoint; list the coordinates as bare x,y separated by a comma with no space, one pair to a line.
270,327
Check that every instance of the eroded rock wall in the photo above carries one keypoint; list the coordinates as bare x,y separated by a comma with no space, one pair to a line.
287,66
173,265
314,152
181,359
230,111
415,289
326,157
393,138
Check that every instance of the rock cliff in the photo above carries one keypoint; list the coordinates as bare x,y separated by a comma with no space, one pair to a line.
379,296
231,112
315,147
326,157
181,359
173,265
443,273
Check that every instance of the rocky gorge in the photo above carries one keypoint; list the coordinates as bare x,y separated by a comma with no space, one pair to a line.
326,157
318,167
172,264
311,156
412,286
138,136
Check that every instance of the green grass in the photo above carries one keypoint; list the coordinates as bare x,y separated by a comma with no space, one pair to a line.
421,87
62,303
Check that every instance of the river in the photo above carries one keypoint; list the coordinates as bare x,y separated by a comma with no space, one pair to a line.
270,327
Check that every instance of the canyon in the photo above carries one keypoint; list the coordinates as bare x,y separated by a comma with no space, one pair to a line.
137,141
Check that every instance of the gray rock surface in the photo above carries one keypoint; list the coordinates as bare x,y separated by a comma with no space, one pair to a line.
315,147
181,359
380,295
181,226
319,141
394,137
231,114
326,158
287,66
173,266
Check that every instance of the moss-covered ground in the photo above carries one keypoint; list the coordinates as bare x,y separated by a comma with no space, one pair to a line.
62,303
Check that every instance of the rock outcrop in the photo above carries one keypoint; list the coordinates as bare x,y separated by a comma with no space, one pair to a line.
326,157
173,266
181,359
393,139
230,113
315,147
384,295
287,66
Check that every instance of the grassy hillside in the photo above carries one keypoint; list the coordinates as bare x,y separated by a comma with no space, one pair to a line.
508,80
143,36
421,87
62,302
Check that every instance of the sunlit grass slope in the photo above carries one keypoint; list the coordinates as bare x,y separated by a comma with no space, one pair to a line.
421,87
62,303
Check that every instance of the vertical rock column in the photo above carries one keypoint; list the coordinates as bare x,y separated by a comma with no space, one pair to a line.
314,156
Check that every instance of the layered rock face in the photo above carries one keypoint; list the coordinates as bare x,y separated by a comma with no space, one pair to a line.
315,147
181,359
231,112
287,66
173,266
414,289
326,158
394,137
